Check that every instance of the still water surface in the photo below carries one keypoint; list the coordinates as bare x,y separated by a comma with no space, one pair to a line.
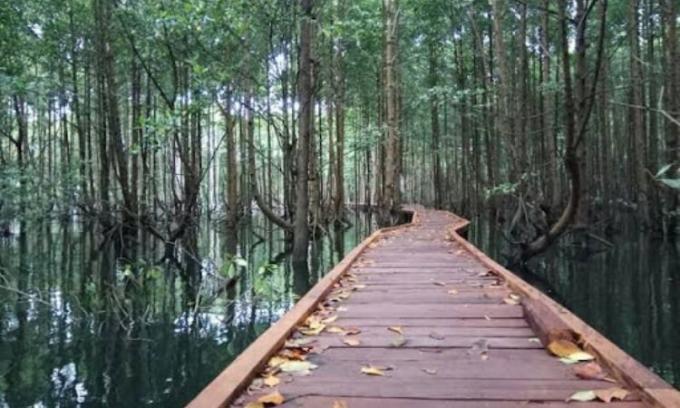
80,328
629,292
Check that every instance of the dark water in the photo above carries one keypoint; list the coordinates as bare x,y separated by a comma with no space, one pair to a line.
80,328
629,292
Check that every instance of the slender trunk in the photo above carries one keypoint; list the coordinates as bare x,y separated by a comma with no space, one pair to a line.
306,129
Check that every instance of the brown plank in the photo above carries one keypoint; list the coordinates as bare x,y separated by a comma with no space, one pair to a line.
353,402
435,311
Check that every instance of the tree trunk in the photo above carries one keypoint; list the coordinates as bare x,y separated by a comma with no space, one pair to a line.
306,129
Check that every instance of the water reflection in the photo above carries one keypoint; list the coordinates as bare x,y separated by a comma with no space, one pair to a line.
628,291
80,326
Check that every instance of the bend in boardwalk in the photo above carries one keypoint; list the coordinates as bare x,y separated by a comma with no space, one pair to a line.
420,307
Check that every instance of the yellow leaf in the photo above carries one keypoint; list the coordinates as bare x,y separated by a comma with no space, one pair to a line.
297,367
351,342
330,319
582,396
313,331
370,370
340,404
611,394
396,329
509,301
453,292
271,381
357,287
276,361
275,398
254,404
568,350
335,329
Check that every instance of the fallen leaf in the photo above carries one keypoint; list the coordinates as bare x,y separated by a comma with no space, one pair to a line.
611,394
534,340
452,292
582,396
330,319
352,331
271,381
430,371
341,309
357,287
254,404
568,350
510,301
299,343
275,398
398,341
292,354
487,317
515,296
335,329
589,371
276,361
351,342
439,283
396,329
312,331
568,361
340,404
436,336
370,370
297,367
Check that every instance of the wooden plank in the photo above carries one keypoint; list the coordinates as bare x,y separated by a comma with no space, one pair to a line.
353,402
436,311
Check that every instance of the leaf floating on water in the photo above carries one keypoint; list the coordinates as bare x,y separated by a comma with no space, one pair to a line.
610,394
351,342
340,404
271,381
583,396
370,370
568,350
398,341
396,329
297,367
590,371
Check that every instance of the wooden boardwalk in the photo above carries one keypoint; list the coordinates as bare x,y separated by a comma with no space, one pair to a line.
418,317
